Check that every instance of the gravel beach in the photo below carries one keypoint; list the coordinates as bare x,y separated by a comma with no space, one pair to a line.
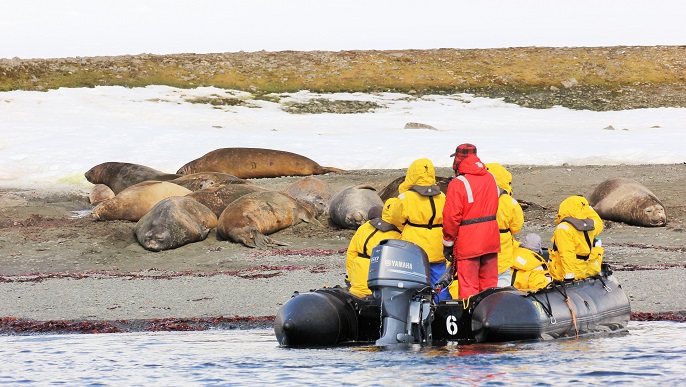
61,270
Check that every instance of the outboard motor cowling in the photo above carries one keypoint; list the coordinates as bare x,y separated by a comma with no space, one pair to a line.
399,277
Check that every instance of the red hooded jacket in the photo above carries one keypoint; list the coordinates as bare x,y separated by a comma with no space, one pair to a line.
469,215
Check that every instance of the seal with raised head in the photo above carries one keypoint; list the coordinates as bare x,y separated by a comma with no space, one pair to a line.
250,163
217,198
312,191
350,207
174,222
119,176
99,193
628,201
136,201
250,218
197,181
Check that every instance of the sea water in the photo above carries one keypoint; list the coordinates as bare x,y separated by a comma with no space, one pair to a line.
649,353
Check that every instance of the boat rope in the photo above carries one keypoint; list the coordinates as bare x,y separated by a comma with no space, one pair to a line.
465,302
569,304
607,288
571,309
547,307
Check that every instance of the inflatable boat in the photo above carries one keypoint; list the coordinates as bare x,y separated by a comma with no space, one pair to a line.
401,309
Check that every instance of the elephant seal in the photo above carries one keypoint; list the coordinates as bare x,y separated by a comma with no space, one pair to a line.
99,193
174,222
349,207
625,200
136,201
250,163
197,181
391,190
119,176
312,191
250,218
217,198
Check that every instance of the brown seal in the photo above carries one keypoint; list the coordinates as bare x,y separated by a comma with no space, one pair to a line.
136,201
391,190
312,191
626,200
174,222
196,181
251,217
350,207
119,176
217,198
250,163
99,193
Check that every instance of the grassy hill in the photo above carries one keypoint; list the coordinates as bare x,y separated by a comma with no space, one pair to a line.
594,78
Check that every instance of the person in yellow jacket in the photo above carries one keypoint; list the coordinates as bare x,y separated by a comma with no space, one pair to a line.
577,252
510,218
367,236
420,215
529,268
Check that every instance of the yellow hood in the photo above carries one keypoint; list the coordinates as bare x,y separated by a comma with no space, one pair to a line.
574,207
502,176
421,172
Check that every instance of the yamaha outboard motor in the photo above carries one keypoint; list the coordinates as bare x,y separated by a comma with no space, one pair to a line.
399,278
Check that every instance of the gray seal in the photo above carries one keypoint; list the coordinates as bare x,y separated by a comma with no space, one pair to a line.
628,201
312,191
174,222
350,207
119,176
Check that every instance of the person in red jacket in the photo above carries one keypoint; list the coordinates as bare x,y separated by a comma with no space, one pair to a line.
471,238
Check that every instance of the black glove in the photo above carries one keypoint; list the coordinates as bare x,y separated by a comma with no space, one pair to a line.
448,253
445,280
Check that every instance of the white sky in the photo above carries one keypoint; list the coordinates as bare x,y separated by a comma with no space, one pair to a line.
53,137
48,28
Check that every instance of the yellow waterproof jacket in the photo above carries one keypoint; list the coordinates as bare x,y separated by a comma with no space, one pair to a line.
367,236
510,216
529,270
420,212
575,253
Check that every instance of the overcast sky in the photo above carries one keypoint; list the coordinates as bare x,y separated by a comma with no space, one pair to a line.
50,29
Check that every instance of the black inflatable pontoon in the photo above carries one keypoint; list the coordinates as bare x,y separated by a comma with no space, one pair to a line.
401,310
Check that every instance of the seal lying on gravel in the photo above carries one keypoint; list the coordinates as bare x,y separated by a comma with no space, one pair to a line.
217,198
312,191
174,222
119,176
249,163
136,201
196,181
349,207
251,217
625,200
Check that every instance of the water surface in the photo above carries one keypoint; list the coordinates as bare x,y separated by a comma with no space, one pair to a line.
650,352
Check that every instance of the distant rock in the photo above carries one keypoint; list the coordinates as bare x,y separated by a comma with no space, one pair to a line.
417,125
570,83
